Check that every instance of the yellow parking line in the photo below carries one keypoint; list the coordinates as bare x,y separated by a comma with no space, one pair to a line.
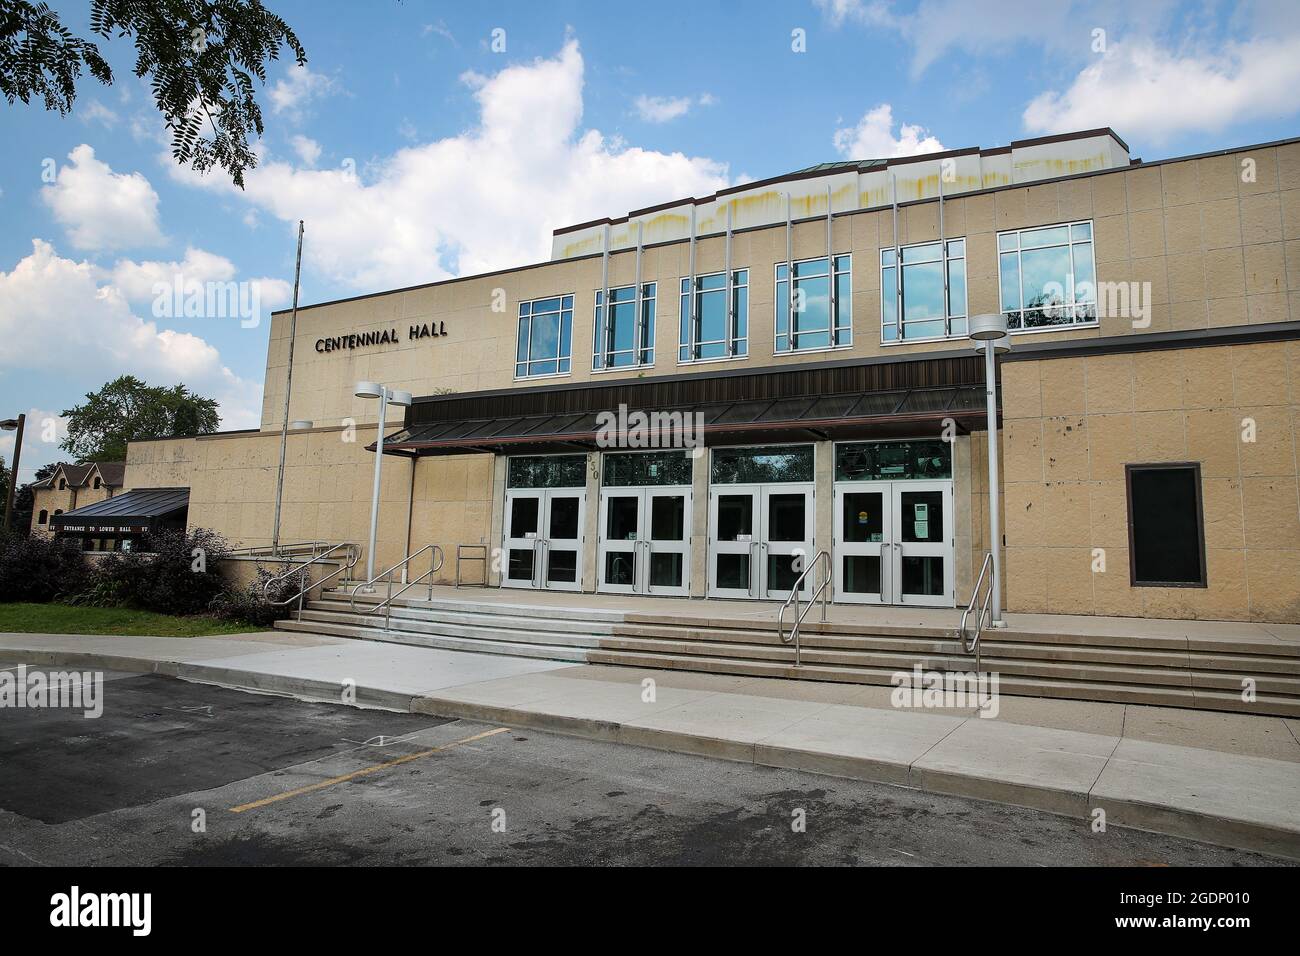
364,772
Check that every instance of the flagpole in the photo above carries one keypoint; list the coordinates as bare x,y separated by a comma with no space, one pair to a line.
288,385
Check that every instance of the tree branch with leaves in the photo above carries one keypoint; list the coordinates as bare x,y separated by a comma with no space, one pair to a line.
200,58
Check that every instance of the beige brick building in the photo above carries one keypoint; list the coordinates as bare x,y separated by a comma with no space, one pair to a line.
1148,404
71,487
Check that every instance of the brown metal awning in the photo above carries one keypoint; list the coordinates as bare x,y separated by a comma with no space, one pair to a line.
905,412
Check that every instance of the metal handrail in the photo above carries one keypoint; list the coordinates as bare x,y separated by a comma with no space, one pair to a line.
822,589
971,645
461,556
315,547
349,562
386,605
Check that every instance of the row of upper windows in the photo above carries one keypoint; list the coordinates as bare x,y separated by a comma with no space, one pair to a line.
1046,278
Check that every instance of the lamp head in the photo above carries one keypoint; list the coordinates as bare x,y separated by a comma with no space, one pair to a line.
989,325
368,390
9,424
397,396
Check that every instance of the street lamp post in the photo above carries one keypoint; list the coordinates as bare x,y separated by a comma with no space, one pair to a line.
11,424
387,396
990,332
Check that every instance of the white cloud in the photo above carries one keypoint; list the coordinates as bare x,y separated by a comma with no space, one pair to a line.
99,113
485,199
871,12
72,325
1140,86
136,280
662,109
873,137
308,149
101,209
299,87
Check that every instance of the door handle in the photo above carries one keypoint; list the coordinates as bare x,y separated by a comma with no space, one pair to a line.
753,563
649,551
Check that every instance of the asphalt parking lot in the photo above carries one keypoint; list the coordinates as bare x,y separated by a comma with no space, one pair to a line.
187,774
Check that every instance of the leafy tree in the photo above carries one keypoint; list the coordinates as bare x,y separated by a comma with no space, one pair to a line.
126,409
199,56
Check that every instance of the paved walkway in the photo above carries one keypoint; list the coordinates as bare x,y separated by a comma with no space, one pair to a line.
1231,779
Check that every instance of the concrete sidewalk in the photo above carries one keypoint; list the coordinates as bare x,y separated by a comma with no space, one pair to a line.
1221,778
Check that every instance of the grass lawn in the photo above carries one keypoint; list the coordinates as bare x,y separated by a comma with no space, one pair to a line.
64,619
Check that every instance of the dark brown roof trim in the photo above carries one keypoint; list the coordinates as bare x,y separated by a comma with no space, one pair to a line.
849,212
1063,137
235,431
1154,342
738,371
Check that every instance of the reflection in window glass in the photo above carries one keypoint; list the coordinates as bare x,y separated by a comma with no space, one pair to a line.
1048,276
647,468
543,342
762,464
809,317
715,333
926,315
625,341
547,471
893,460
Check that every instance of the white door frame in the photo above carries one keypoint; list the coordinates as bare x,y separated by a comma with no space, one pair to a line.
942,549
881,549
540,541
746,544
892,549
758,547
643,546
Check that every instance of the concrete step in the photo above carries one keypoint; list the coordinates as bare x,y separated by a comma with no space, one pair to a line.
549,652
1164,671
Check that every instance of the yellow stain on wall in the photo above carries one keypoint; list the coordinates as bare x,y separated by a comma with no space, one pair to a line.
1062,167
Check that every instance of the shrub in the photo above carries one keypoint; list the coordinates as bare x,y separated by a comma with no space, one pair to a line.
40,569
253,604
178,575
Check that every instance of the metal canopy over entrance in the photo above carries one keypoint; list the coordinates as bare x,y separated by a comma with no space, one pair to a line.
134,512
876,398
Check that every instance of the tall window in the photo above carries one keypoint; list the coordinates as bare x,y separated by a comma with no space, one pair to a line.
715,334
1165,525
1048,276
544,343
621,340
809,317
927,312
43,517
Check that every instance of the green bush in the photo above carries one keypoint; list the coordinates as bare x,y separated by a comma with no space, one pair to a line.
255,604
176,575
39,569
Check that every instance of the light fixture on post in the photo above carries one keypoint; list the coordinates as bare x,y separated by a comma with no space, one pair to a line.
387,396
989,332
10,424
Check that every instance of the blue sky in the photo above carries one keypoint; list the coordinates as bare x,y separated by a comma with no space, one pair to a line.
414,150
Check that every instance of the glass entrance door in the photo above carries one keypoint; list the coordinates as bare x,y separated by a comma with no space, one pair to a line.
862,534
760,539
645,541
787,538
923,543
894,543
543,539
734,541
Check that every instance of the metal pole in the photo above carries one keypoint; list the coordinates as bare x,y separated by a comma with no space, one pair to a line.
13,477
288,385
374,501
995,517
